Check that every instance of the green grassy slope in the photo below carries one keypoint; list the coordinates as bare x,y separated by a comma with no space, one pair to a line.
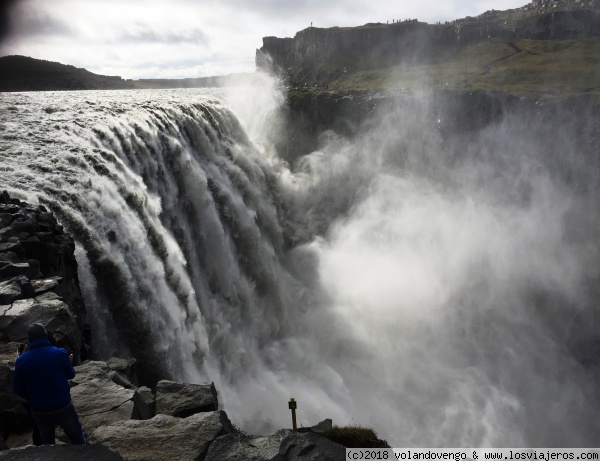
522,67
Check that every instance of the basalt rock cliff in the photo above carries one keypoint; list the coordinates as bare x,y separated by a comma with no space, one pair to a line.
38,283
321,54
539,63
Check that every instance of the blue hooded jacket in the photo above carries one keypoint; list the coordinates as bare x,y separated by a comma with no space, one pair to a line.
42,376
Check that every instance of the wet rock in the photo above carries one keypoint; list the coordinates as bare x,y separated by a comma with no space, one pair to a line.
22,236
13,269
9,208
23,223
34,264
42,286
5,219
9,256
182,400
164,437
7,233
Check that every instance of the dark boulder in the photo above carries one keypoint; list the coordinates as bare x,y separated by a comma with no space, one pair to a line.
309,447
5,219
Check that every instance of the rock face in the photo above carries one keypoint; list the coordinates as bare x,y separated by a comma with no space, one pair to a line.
405,41
38,271
307,114
38,283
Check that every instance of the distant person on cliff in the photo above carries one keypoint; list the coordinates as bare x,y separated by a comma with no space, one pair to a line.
41,377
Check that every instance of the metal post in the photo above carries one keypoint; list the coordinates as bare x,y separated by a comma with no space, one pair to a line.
292,404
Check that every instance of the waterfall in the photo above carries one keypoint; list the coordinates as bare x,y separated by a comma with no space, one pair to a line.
386,281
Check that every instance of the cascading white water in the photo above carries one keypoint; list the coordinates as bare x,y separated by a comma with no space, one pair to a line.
380,283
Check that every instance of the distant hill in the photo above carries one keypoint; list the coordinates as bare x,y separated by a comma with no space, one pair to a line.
21,73
200,82
545,46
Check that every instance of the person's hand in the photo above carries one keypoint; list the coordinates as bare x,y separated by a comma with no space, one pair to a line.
71,358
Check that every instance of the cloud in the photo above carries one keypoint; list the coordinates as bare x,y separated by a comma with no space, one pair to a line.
147,35
142,39
6,14
40,25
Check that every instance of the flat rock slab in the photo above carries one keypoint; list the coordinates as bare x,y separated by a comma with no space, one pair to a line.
8,269
243,447
164,437
182,400
43,285
61,453
14,247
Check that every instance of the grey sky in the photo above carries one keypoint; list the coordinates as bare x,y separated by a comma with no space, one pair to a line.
194,38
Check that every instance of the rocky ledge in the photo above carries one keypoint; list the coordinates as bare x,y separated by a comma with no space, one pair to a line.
122,420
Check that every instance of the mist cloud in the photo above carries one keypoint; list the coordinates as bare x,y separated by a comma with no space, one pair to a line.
454,280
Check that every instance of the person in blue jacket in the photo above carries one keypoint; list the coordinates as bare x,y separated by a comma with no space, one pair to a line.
41,377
